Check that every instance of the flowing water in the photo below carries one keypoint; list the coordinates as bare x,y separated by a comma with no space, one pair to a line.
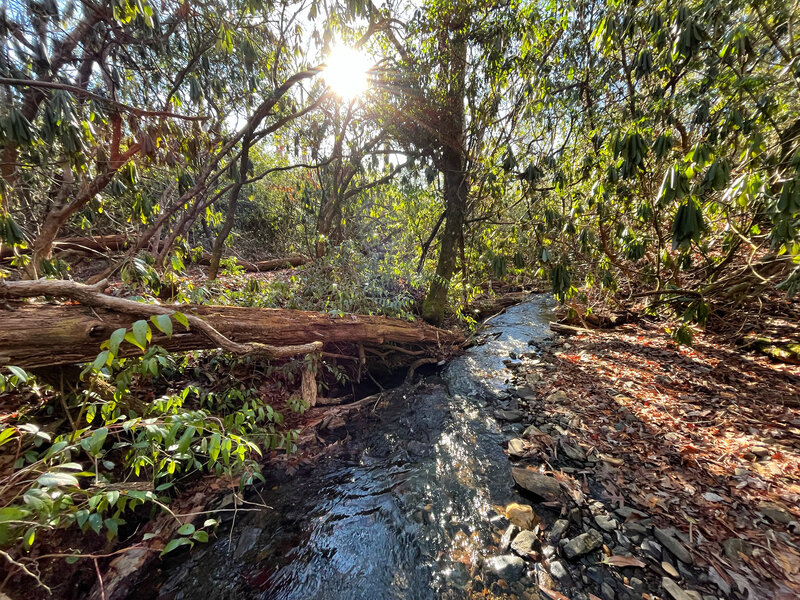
409,511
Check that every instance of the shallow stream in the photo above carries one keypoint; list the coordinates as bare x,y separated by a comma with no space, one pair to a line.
410,510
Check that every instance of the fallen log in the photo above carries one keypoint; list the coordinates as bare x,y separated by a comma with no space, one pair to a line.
273,264
96,244
37,335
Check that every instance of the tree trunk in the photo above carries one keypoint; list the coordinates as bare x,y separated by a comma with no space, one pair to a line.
453,49
455,192
230,214
40,335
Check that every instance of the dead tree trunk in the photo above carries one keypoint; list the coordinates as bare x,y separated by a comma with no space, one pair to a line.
37,335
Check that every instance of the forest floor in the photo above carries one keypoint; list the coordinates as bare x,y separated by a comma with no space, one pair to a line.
702,442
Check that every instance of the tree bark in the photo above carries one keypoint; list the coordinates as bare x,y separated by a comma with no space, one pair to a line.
230,213
39,335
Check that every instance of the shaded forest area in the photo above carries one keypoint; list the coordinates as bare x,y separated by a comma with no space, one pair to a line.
223,223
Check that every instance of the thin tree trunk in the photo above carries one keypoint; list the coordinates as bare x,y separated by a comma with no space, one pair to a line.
230,214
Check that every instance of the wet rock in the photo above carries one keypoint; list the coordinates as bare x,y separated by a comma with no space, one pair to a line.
605,522
637,585
516,448
508,535
247,540
512,363
521,515
677,592
512,416
507,566
583,544
458,575
558,530
669,538
541,486
525,543
735,546
543,578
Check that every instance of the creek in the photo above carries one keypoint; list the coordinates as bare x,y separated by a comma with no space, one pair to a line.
410,509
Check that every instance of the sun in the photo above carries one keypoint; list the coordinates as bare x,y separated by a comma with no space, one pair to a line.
346,72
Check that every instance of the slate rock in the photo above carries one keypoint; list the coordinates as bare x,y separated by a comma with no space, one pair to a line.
512,416
558,529
507,566
508,535
557,397
605,522
559,571
541,486
525,543
668,537
677,592
583,544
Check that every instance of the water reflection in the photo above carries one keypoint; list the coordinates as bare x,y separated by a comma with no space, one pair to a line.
409,514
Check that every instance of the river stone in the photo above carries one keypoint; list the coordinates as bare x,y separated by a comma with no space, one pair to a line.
512,416
605,522
542,486
559,527
525,392
559,571
677,592
668,537
508,535
557,397
583,544
524,543
521,515
516,448
507,566
531,431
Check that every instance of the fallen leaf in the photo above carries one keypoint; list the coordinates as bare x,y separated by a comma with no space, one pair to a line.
553,594
623,561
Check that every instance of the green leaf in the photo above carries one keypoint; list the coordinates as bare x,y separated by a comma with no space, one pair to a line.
129,337
97,440
141,332
96,522
20,373
186,529
163,323
181,318
6,434
172,544
201,536
116,339
101,360
57,480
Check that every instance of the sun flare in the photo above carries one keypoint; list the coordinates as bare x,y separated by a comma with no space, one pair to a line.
346,72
